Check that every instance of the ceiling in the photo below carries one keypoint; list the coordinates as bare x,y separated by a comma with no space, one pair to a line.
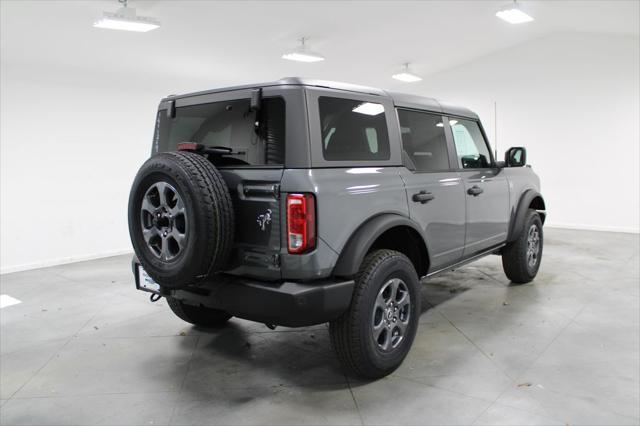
204,43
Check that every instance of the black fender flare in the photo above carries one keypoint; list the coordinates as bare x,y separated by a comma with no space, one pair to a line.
362,239
517,220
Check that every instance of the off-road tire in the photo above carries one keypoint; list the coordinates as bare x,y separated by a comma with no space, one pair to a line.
514,255
198,315
209,214
352,335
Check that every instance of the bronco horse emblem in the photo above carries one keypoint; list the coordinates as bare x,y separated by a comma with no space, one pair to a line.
264,220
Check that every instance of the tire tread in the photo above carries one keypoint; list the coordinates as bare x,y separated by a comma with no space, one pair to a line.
215,211
345,335
514,254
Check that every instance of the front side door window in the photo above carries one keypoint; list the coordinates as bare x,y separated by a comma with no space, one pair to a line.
473,152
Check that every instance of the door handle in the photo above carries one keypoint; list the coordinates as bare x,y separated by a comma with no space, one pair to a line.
423,197
475,190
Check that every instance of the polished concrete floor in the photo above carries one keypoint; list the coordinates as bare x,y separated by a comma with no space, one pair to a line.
84,347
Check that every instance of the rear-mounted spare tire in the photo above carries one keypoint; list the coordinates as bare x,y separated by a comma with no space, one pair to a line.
180,218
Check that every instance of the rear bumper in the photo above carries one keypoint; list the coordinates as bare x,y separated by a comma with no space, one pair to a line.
291,304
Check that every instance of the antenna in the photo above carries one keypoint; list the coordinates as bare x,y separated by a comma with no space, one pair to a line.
495,128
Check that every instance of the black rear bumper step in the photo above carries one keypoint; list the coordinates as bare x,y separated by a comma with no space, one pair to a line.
290,304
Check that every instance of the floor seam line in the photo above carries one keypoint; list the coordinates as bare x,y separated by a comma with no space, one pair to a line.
64,345
184,380
91,395
524,372
353,397
476,346
490,276
418,382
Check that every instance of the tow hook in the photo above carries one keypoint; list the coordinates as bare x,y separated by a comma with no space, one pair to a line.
155,297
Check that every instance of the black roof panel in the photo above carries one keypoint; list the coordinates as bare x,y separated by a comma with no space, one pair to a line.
399,99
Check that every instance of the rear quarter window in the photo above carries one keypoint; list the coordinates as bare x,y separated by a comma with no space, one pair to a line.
353,130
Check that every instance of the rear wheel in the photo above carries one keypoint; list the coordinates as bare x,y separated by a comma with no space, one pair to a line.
521,258
373,337
198,315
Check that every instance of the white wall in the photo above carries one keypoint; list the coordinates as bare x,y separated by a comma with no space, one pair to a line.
72,141
70,146
573,101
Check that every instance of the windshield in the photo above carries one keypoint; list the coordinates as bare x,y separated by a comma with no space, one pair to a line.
254,138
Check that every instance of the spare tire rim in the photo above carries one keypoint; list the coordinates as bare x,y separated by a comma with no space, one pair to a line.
533,246
391,314
164,221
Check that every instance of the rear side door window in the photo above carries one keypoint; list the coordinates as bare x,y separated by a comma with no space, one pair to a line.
353,130
424,141
471,147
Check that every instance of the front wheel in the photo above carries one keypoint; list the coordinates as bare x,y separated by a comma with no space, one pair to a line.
374,336
521,258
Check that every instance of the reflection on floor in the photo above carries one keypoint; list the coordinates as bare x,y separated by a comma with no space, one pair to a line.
84,347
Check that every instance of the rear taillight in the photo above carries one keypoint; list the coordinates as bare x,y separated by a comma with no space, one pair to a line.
301,222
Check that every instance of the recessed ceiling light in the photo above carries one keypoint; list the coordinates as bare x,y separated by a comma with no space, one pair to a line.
514,14
406,75
303,53
368,108
125,19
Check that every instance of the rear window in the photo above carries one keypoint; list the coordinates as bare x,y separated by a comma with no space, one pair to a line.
353,130
255,139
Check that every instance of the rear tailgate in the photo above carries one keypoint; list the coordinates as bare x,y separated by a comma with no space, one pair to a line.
258,222
247,145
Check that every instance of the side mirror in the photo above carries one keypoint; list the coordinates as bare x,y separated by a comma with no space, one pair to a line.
516,157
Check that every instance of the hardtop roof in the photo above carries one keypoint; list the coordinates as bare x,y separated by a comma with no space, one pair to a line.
399,99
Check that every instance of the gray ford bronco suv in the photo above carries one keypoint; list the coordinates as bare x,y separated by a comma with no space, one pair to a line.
300,202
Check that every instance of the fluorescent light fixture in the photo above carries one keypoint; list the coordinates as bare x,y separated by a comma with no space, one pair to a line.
303,53
406,75
453,122
303,57
125,19
368,108
513,14
440,124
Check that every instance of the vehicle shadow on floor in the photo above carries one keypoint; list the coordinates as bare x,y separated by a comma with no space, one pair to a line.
249,355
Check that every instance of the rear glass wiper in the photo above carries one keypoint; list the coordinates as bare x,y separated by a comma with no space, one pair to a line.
214,150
